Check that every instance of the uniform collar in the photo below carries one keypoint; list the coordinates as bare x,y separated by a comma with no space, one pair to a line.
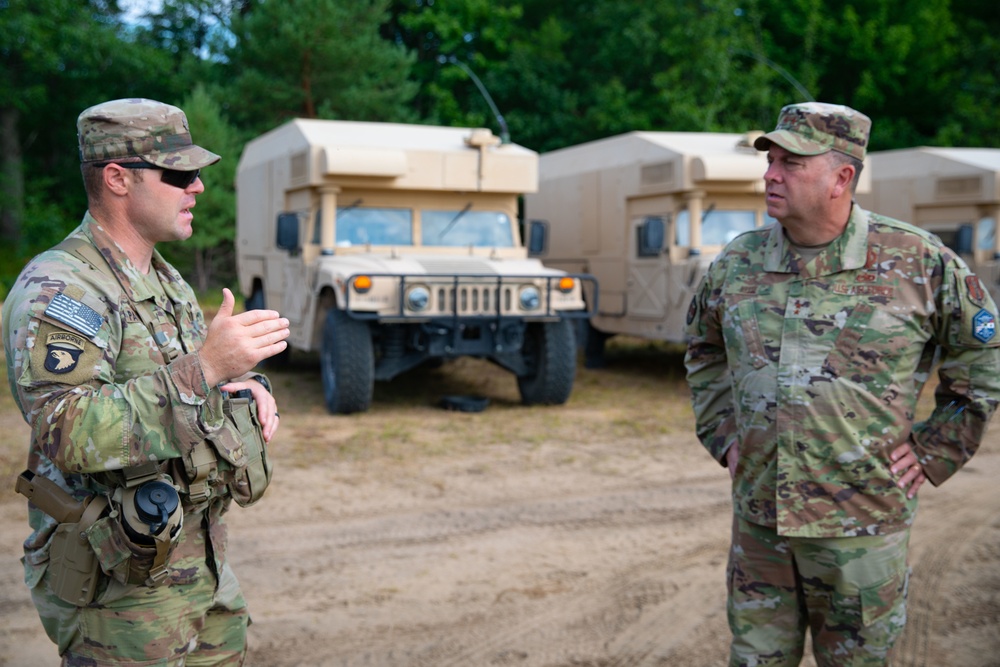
847,252
135,285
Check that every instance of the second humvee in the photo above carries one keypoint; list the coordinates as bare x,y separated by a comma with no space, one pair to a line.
645,213
951,192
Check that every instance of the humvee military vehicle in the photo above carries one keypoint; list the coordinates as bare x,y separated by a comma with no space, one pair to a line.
645,213
389,245
952,192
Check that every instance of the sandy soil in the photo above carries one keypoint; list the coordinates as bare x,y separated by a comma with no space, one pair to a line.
584,547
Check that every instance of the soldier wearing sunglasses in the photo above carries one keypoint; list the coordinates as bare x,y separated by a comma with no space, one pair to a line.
125,386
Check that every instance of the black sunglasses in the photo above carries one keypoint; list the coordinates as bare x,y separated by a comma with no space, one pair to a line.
174,177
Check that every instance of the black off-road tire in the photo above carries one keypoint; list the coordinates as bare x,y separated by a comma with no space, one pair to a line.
550,355
347,364
281,360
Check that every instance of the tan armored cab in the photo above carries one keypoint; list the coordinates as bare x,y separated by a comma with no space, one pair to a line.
951,192
645,213
387,245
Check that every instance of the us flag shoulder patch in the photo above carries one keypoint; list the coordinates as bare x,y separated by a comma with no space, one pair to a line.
75,314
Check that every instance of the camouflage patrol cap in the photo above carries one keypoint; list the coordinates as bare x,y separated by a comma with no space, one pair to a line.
156,132
814,128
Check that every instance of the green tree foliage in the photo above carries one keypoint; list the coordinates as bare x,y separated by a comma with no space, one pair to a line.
972,118
477,34
561,72
316,59
56,58
209,257
892,59
565,72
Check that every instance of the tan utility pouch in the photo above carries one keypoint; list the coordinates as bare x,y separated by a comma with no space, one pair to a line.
120,553
73,566
250,479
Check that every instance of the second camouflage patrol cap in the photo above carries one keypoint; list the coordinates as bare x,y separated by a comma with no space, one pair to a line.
814,128
130,128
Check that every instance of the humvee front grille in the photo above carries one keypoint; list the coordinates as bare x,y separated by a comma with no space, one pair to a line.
469,296
474,299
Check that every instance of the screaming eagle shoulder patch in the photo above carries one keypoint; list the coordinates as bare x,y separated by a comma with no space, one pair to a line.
63,350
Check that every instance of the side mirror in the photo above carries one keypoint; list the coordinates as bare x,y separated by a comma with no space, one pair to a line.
538,237
288,232
651,234
963,240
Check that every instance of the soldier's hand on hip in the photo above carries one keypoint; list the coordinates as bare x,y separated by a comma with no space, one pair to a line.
732,459
235,344
905,464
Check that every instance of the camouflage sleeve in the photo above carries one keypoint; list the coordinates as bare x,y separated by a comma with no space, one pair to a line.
708,371
91,384
969,374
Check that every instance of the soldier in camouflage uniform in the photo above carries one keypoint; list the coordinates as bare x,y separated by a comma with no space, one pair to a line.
112,364
810,341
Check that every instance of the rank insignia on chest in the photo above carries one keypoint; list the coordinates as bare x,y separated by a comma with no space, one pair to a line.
984,325
64,350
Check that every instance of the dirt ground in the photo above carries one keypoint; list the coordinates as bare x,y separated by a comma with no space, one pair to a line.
586,535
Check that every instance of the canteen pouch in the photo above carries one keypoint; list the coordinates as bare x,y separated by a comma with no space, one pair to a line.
250,479
125,549
121,558
73,574
127,562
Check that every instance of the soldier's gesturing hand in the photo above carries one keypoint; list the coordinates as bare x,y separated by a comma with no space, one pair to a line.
237,343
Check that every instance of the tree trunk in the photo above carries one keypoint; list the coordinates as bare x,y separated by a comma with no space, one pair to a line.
11,176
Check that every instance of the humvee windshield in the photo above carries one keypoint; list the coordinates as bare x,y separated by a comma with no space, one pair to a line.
717,227
378,226
456,228
394,226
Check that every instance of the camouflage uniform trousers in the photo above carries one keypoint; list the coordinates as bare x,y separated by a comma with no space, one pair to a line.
196,619
850,592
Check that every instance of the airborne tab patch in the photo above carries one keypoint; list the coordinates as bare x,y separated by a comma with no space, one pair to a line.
77,315
64,350
984,325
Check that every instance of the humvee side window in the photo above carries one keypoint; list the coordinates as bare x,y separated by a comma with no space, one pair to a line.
956,237
985,233
682,228
650,236
377,226
464,227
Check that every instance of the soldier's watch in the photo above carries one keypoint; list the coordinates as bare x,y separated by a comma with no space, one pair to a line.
263,381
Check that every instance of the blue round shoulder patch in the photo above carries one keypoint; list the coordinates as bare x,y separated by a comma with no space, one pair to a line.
984,325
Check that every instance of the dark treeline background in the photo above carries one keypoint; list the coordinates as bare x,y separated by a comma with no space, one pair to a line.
561,72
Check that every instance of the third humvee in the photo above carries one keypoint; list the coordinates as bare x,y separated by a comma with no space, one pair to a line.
390,245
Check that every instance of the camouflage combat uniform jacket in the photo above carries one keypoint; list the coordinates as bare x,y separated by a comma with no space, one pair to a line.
99,391
815,371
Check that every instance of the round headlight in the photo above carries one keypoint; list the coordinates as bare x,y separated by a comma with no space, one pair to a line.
418,298
529,298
